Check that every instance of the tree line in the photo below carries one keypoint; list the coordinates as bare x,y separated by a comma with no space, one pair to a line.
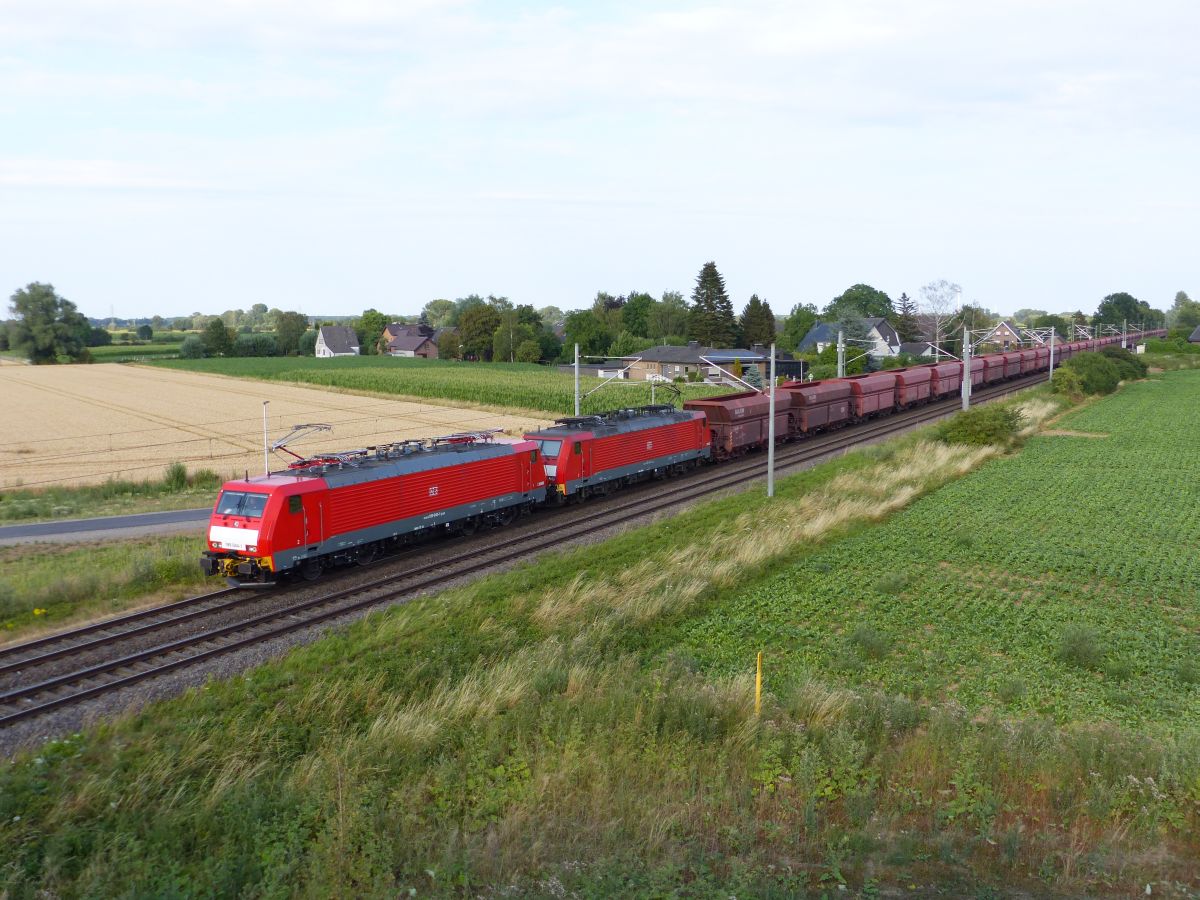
47,328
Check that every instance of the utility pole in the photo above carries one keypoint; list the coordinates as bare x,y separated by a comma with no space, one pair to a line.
1048,377
576,379
966,369
841,351
266,441
1124,328
771,432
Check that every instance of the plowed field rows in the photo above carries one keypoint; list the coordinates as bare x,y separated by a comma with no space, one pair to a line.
83,424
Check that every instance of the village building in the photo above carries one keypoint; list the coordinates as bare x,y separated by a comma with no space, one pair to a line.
336,340
691,362
399,339
921,349
882,340
1005,336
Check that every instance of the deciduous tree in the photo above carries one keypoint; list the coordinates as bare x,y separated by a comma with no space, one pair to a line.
940,310
869,302
46,326
289,327
668,317
449,346
217,337
528,352
635,316
510,334
438,313
369,328
584,329
476,329
797,326
627,344
1185,312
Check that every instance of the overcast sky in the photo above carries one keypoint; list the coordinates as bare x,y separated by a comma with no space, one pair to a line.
331,155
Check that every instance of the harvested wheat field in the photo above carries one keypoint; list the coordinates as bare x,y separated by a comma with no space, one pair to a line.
84,424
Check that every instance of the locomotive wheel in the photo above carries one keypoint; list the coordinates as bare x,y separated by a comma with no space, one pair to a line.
310,570
365,555
468,526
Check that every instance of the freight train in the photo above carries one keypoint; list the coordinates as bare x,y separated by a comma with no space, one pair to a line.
351,507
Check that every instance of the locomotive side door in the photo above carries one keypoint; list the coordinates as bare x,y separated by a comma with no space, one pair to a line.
583,450
313,520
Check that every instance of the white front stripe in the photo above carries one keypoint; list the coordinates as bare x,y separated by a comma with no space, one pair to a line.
233,538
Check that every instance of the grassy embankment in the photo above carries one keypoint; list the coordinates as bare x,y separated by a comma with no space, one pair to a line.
49,585
587,724
514,387
45,585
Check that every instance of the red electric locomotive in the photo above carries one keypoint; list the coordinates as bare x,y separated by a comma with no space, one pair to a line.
592,455
347,507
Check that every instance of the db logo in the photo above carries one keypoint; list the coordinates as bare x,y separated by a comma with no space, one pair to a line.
649,445
433,490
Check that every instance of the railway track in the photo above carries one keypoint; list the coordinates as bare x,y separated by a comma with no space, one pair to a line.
116,665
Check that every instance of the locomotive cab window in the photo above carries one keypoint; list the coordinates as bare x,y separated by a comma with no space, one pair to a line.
293,504
238,503
578,447
550,448
533,456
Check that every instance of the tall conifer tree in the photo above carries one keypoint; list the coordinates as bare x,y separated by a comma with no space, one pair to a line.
906,319
712,321
758,323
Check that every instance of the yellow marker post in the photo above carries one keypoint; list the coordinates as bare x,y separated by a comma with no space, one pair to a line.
758,687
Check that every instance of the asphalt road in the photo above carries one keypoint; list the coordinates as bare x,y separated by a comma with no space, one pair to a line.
106,527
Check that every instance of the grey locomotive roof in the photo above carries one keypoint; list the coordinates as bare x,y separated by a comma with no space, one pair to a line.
616,422
375,467
339,338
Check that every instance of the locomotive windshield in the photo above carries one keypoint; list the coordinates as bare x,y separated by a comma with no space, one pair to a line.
237,503
550,448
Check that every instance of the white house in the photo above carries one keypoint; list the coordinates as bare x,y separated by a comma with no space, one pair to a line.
882,338
336,340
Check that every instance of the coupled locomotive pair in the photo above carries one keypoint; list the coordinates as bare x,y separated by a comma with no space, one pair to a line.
350,507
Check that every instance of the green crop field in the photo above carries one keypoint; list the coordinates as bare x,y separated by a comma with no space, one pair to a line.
134,352
1063,581
508,385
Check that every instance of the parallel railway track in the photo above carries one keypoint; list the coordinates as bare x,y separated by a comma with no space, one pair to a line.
35,688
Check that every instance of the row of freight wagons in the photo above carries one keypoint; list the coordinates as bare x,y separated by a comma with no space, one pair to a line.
739,422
